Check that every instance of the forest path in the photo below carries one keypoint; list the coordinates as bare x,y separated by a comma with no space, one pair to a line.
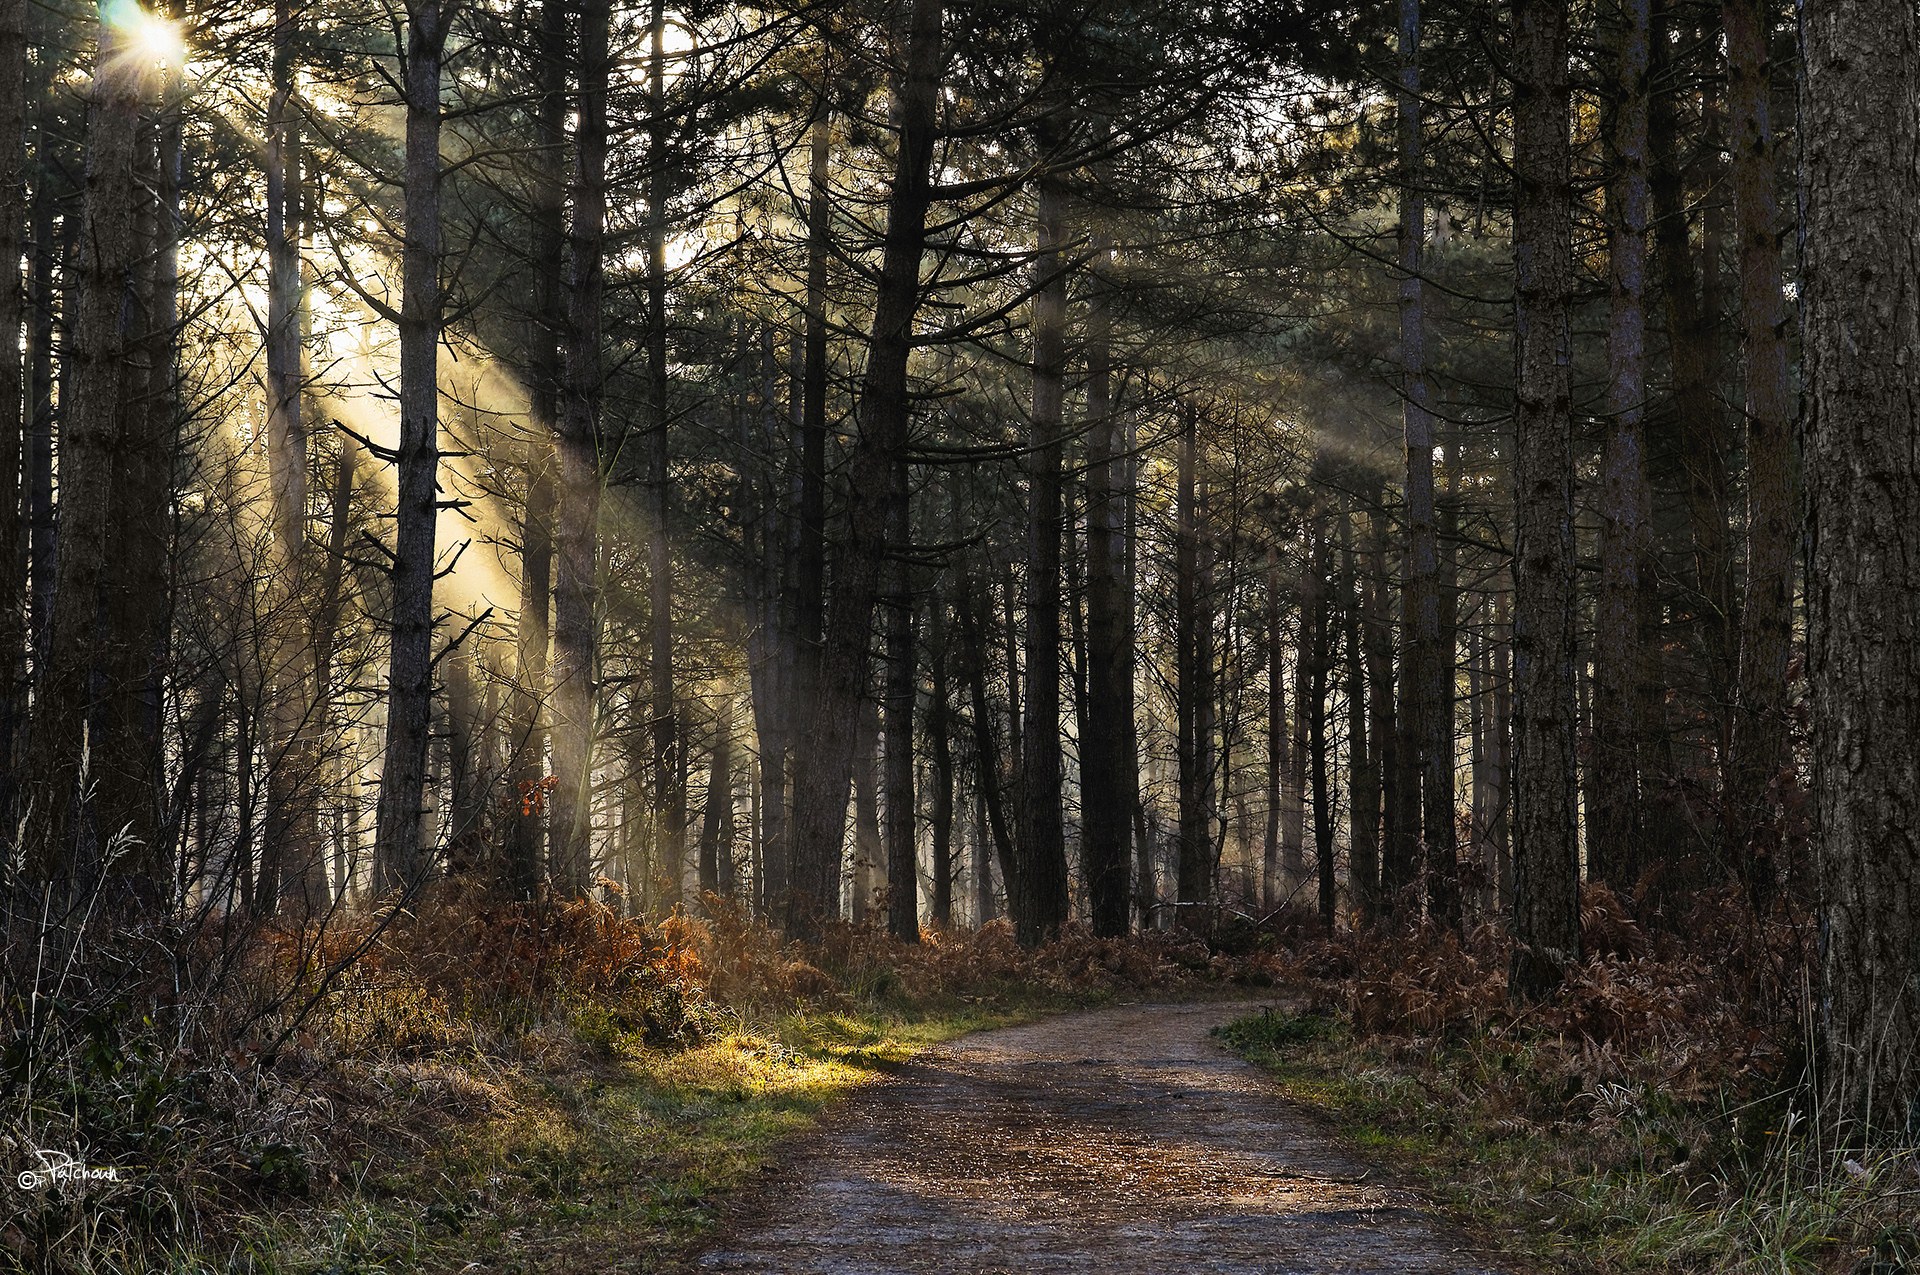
1125,1140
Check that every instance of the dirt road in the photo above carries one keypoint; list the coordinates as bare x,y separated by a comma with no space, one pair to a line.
1120,1141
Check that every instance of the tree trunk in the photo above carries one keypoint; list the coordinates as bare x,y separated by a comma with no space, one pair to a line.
902,684
1761,729
1692,324
716,823
1192,877
1363,774
822,769
1277,736
1615,827
1106,752
577,522
1040,909
1396,869
545,321
1546,855
1427,669
1861,182
868,848
15,409
1316,651
398,862
94,376
940,742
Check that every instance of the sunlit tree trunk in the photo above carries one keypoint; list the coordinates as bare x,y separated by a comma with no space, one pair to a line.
398,860
1546,862
291,842
1193,880
820,780
716,824
577,519
545,320
1860,171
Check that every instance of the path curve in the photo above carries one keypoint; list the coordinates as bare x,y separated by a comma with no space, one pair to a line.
1124,1141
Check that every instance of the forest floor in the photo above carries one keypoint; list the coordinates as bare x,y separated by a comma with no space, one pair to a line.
1125,1139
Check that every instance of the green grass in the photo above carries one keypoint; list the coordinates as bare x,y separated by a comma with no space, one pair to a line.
1586,1162
615,1165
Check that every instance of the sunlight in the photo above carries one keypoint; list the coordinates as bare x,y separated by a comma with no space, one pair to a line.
148,35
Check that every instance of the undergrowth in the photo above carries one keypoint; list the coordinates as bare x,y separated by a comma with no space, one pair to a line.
467,1082
1653,1116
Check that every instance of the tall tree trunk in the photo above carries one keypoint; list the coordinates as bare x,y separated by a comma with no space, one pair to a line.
1546,853
1040,909
1692,324
1316,651
669,800
577,524
1615,832
902,684
868,847
1761,728
1277,736
545,321
15,409
1363,773
1861,180
716,824
398,862
95,374
1192,878
1427,668
940,743
1396,864
821,773
1106,752
292,832
974,645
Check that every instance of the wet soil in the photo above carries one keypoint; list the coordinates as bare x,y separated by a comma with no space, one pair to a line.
1119,1141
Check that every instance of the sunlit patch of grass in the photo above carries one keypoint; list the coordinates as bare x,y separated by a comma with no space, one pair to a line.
616,1160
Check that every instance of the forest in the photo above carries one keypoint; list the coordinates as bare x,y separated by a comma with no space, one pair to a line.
1108,469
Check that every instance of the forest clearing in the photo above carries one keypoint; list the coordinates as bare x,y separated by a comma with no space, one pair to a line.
591,585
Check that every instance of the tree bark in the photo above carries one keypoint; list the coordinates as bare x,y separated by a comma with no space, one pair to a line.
902,685
822,769
1615,823
15,410
1761,729
1546,854
398,861
95,374
940,742
1363,774
716,824
1861,180
1106,748
577,522
1427,668
545,321
1040,909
